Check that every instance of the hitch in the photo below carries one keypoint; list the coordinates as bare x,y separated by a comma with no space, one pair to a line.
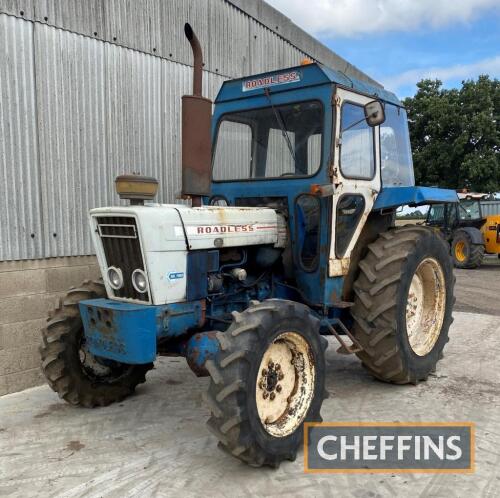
344,348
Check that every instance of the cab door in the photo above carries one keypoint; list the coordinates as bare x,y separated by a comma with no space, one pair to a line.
355,174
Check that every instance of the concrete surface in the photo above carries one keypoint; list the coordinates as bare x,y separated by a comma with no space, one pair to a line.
156,444
478,290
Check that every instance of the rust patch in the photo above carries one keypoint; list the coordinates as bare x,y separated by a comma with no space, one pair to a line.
193,353
339,267
203,312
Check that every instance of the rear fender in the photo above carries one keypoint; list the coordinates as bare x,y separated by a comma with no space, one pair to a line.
474,234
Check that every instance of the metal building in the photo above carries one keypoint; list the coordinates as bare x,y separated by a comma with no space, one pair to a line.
91,89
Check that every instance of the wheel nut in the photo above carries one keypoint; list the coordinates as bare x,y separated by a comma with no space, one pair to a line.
272,396
280,376
264,372
265,395
278,388
277,366
270,365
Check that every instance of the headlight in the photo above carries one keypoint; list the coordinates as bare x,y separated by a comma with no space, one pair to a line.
115,277
140,281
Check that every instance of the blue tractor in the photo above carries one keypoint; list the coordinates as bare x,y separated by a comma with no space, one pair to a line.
294,182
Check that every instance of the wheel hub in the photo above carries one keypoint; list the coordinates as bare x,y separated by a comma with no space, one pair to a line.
425,306
270,378
460,251
285,384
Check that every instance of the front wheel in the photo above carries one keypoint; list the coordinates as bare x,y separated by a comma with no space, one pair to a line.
76,375
403,304
267,381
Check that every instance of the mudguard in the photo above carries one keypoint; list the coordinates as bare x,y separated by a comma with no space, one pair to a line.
474,234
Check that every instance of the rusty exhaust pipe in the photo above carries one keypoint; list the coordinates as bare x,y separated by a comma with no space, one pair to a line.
196,139
198,59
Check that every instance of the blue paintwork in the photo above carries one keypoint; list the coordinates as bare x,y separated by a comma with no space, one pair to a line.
200,348
310,75
392,197
128,332
129,337
321,89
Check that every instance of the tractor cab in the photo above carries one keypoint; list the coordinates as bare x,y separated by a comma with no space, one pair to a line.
468,232
466,213
331,153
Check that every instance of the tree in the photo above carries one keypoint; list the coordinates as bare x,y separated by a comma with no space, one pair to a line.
455,134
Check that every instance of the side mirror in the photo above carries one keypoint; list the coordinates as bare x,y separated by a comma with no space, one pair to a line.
374,113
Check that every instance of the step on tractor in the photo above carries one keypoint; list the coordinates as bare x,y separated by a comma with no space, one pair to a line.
293,179
469,233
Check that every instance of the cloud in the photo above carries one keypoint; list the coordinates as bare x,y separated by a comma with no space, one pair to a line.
489,66
350,18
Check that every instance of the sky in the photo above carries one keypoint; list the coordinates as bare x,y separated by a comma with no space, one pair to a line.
399,42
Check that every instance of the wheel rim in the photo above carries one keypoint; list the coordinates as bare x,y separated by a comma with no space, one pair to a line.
100,370
425,307
285,384
460,251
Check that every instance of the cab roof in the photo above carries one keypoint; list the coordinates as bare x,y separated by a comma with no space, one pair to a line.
295,78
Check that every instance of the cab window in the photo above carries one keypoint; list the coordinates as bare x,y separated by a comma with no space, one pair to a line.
395,149
436,213
272,142
308,215
357,157
469,210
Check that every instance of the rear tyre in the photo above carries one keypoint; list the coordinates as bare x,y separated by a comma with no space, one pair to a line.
403,304
465,254
267,381
71,370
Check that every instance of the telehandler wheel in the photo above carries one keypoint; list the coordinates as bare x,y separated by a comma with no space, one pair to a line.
465,254
403,304
71,370
268,379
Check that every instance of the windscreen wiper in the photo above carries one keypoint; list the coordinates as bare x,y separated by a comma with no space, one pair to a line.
281,124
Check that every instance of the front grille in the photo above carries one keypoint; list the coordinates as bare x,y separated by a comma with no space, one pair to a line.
122,248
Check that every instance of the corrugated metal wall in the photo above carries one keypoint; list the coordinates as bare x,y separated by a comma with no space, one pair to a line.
490,208
91,89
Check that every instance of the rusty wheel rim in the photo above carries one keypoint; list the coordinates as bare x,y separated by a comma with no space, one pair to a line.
425,306
285,384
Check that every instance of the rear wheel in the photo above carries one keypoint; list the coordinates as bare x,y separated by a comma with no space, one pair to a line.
403,304
79,377
465,254
268,379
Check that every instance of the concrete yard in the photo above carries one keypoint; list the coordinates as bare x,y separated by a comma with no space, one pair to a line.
156,444
478,290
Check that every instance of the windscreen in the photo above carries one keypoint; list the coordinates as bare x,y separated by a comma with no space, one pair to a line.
395,149
274,142
469,210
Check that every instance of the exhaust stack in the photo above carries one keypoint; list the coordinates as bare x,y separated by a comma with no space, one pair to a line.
196,139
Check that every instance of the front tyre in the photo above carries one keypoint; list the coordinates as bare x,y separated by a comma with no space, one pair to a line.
71,370
403,304
267,381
